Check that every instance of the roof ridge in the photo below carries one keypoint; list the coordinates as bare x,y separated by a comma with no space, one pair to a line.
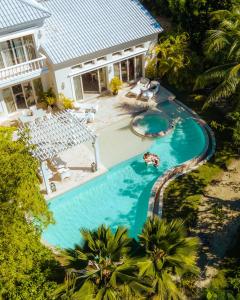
34,4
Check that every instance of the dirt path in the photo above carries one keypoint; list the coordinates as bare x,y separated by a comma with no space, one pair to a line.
219,218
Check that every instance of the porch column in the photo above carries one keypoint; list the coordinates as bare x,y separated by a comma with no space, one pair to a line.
45,177
96,152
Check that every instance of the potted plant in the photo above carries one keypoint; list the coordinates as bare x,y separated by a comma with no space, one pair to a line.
115,85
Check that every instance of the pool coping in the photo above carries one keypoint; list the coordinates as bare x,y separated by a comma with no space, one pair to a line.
151,135
155,204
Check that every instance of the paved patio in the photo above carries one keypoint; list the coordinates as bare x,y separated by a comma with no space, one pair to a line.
112,109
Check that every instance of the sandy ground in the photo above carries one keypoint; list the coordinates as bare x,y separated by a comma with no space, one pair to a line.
219,219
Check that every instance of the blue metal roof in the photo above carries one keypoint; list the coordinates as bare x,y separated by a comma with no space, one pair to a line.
15,12
81,27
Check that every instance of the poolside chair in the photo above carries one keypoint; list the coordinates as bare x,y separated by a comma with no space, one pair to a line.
64,173
58,163
142,85
155,87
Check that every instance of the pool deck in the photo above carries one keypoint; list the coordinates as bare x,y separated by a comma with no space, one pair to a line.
114,115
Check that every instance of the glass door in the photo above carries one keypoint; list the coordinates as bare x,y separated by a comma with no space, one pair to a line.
18,49
29,95
7,54
124,71
90,82
102,79
77,82
131,69
139,66
19,96
9,100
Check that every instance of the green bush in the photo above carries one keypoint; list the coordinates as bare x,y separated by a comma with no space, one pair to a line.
65,102
115,84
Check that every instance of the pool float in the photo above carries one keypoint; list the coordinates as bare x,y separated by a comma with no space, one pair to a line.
151,159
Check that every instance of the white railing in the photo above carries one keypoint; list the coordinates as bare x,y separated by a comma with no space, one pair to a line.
24,68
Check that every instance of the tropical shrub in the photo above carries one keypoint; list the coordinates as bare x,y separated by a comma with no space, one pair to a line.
66,103
115,85
170,59
223,47
101,268
168,255
26,266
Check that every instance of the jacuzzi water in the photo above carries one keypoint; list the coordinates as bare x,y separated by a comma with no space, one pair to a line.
152,124
120,196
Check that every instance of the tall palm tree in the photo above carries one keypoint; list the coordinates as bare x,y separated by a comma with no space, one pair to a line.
223,43
101,269
168,255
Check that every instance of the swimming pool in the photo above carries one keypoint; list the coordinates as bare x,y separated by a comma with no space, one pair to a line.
120,196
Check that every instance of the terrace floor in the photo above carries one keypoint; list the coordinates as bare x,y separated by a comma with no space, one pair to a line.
112,122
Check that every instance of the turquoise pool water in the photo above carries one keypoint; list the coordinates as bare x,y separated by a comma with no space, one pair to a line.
120,196
153,123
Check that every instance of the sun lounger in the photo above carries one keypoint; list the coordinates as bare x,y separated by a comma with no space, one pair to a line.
64,173
141,85
58,163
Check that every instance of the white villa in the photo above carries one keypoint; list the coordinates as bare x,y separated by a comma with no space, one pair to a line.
73,46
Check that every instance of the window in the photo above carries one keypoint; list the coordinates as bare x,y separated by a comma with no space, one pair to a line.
101,58
17,51
90,62
116,54
139,46
77,66
128,50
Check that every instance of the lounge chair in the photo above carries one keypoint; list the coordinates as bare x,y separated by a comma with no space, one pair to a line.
58,163
141,86
64,173
153,90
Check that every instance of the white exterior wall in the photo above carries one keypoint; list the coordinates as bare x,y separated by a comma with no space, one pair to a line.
64,76
63,82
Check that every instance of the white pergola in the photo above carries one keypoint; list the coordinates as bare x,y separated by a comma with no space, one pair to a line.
54,133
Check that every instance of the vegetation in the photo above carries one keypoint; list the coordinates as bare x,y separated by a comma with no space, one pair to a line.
168,255
223,47
112,266
115,85
26,266
172,60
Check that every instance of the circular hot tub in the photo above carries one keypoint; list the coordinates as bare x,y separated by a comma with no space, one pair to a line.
151,124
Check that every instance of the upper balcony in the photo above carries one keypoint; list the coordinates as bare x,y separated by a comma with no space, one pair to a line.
23,71
19,60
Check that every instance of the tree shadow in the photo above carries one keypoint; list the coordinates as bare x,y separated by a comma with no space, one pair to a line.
182,201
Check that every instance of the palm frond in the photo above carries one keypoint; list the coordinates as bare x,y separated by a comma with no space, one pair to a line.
213,75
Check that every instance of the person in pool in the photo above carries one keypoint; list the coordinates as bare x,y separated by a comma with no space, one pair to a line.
151,158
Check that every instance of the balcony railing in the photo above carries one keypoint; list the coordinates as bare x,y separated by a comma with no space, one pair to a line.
25,68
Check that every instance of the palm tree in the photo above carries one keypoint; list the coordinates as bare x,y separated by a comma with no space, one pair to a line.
223,43
168,255
102,268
